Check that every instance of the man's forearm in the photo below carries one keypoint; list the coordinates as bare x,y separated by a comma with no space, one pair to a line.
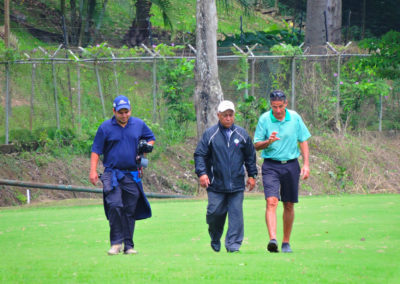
262,144
305,153
94,159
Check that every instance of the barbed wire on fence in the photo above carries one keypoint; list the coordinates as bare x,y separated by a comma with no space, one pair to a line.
138,75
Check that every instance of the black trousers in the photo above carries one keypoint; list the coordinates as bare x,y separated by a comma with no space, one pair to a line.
121,205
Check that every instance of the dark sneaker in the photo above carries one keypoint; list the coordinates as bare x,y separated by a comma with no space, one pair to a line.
286,248
233,251
273,246
216,246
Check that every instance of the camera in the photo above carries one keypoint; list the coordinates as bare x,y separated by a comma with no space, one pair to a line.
143,147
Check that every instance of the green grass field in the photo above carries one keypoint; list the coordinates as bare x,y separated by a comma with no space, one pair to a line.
336,239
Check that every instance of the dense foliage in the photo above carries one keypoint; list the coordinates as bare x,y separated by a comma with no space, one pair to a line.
265,38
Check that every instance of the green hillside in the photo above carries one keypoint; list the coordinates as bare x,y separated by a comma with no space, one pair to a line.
43,20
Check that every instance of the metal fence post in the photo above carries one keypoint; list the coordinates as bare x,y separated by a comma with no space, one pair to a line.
32,96
115,72
293,82
55,93
54,82
78,90
246,76
96,69
8,102
337,114
154,87
253,75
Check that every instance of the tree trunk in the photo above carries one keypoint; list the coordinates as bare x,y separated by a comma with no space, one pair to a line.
363,13
75,23
208,91
324,23
315,37
86,35
139,31
100,20
334,21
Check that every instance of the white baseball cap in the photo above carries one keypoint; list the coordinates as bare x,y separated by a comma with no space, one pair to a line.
225,105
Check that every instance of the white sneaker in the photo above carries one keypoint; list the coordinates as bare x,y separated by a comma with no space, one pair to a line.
115,249
130,251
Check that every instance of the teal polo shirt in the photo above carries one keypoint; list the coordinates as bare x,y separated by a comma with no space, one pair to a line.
290,131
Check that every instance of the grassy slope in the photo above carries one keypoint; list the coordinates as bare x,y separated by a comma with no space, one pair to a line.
341,239
119,15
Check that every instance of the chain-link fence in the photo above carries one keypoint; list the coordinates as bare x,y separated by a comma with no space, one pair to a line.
65,94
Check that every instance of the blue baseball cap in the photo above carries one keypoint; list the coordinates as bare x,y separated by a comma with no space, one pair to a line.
121,102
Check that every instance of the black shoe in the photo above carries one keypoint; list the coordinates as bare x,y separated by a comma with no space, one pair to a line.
216,246
273,246
286,248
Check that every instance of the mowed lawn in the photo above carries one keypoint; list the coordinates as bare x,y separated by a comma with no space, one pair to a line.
336,239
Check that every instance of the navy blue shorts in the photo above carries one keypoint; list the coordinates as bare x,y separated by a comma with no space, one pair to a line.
281,180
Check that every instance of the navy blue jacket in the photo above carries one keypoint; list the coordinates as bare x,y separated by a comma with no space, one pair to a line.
225,161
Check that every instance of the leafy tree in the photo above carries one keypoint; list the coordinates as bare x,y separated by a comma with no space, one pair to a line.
385,55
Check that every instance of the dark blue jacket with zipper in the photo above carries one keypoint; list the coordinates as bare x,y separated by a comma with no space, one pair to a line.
225,161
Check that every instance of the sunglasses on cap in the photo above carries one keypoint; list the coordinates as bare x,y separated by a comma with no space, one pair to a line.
277,96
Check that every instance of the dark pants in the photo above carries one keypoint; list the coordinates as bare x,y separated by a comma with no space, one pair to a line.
121,205
219,205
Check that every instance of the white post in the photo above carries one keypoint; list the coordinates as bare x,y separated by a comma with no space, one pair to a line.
28,196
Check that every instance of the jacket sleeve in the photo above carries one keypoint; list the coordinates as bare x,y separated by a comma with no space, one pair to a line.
201,156
250,158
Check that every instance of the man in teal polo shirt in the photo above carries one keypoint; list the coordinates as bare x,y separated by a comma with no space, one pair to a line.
279,134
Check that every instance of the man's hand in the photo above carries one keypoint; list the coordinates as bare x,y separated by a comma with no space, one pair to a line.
305,172
265,144
94,177
272,138
251,183
204,181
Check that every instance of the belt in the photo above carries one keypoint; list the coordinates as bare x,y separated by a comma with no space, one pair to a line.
129,170
279,162
134,169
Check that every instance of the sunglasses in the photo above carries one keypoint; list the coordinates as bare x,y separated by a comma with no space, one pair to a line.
277,95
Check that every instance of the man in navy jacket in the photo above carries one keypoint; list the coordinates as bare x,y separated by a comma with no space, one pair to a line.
117,140
221,157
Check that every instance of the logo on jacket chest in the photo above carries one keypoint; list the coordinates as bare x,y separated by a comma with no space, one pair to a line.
236,141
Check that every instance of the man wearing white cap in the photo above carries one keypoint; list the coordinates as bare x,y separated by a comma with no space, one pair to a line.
221,157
